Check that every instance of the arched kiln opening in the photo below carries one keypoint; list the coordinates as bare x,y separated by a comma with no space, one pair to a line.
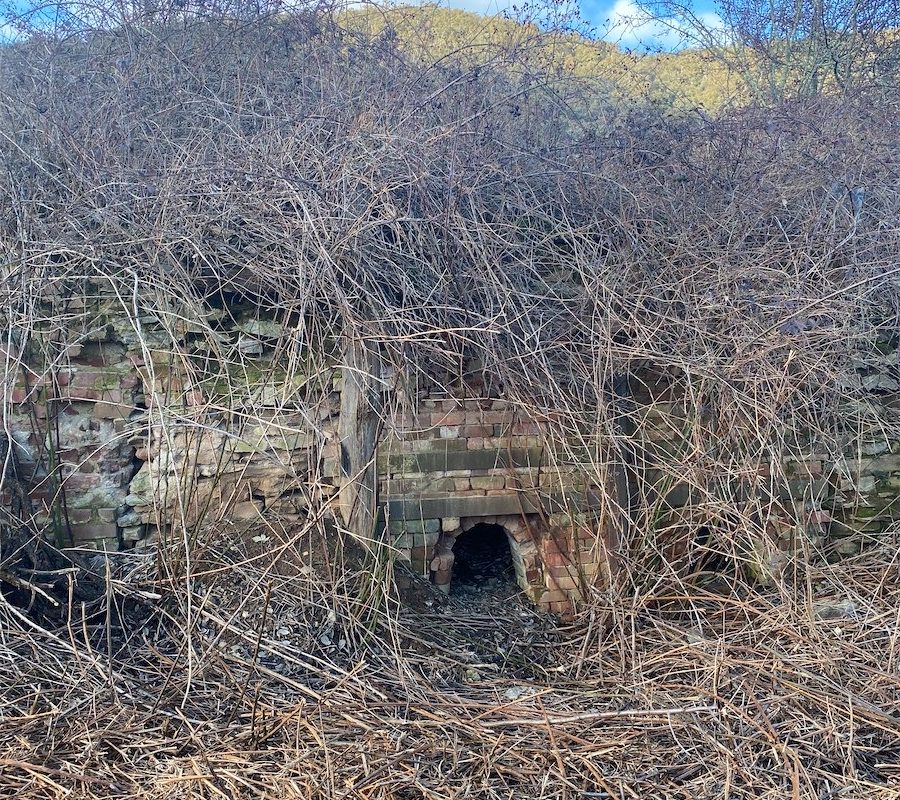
493,553
483,560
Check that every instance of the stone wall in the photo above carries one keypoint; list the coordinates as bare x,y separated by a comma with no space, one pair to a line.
124,433
71,426
807,496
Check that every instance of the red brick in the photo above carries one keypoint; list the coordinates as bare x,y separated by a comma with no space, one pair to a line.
562,607
523,536
522,441
809,468
194,398
106,514
18,396
85,395
448,418
442,577
80,515
94,530
590,569
480,431
421,553
565,583
553,558
405,421
442,561
488,482
112,410
80,481
86,379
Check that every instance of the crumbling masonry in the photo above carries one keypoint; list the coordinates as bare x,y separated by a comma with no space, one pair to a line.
118,441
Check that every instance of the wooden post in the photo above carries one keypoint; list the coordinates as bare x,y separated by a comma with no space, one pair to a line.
625,476
358,428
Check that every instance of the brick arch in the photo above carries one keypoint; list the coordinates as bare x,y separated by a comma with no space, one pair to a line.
523,532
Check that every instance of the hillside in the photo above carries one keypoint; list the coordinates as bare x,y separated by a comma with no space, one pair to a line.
690,79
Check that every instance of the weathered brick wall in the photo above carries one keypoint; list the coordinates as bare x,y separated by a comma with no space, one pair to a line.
125,433
122,428
459,462
69,420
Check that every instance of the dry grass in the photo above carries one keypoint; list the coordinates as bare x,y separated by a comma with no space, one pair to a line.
270,681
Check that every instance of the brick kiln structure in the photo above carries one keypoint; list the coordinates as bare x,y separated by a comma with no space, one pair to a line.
460,463
119,440
119,447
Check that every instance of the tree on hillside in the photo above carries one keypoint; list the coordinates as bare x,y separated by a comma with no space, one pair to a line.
794,48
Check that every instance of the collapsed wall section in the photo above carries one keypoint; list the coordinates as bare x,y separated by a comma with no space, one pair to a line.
70,397
122,430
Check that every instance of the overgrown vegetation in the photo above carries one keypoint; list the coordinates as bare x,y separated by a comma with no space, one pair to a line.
784,49
486,208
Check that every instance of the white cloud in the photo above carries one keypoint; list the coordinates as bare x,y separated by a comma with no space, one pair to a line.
631,26
7,33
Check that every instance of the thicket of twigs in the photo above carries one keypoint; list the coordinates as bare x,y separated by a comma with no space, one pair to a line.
487,209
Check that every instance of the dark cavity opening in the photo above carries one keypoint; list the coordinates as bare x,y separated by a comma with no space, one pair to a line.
483,561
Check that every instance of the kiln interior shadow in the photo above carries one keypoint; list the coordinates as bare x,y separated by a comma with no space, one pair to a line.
483,561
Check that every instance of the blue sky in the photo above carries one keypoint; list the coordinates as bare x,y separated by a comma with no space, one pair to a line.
618,21
626,23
